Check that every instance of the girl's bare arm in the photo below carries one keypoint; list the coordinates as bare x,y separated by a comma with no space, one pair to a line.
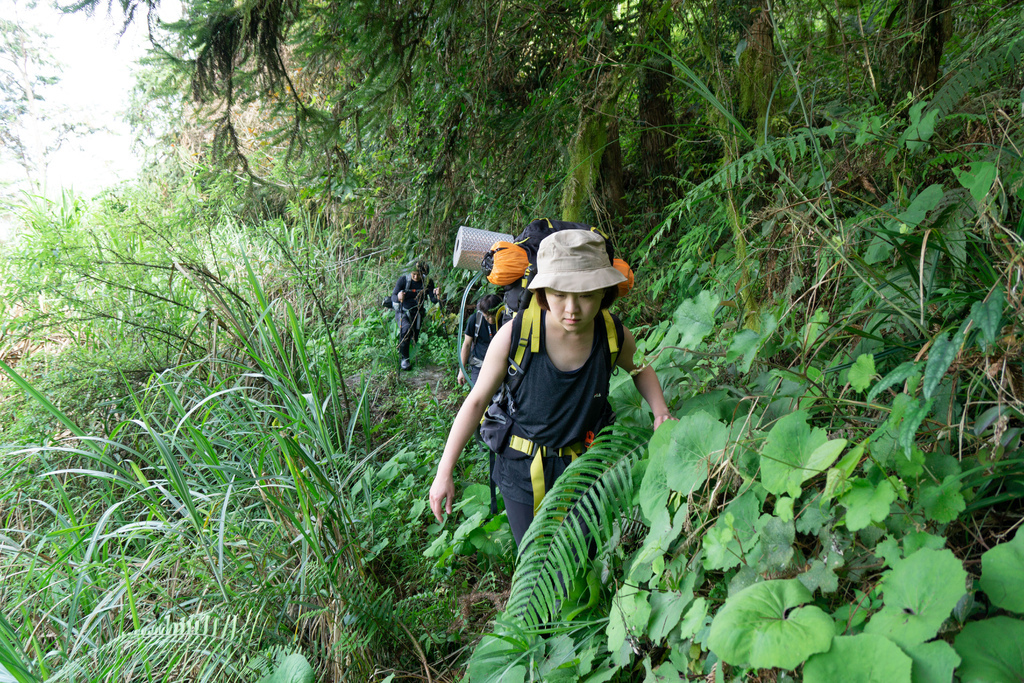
492,373
645,380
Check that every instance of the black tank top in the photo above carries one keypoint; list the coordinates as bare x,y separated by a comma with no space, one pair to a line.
556,408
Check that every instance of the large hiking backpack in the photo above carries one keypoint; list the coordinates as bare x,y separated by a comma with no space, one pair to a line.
513,265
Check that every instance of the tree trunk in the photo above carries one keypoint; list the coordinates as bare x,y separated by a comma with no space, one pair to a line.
656,117
928,22
612,186
587,148
757,73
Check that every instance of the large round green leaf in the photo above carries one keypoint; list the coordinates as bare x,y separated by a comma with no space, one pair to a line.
687,449
934,662
763,626
919,594
1002,574
864,658
793,453
992,651
293,669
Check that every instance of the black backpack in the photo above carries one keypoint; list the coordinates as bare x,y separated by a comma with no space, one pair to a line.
516,295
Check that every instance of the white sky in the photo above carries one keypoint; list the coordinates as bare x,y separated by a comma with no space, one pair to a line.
95,85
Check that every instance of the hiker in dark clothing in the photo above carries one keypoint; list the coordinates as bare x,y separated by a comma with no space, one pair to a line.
563,395
410,299
480,329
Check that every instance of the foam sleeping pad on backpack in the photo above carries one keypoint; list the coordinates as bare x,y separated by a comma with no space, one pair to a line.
471,245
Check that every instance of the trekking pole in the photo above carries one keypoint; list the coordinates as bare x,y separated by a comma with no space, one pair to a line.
462,317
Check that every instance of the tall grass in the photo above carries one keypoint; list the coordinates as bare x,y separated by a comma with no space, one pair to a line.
214,527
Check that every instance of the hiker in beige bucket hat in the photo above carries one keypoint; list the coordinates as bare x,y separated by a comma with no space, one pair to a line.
560,399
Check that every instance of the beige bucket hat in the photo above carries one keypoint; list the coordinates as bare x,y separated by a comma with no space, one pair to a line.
574,261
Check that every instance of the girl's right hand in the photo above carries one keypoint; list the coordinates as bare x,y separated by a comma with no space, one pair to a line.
442,491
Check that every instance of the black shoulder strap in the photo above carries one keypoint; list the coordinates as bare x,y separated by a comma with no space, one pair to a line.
514,376
479,324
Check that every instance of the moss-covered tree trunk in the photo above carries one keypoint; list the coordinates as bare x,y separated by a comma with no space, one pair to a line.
756,73
587,148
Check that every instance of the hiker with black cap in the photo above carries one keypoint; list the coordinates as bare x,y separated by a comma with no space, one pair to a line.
480,329
410,299
561,401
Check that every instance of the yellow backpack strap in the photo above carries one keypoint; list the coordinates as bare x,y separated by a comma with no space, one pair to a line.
529,331
535,327
613,336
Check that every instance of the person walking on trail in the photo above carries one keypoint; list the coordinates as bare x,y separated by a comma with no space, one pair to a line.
562,398
480,329
410,299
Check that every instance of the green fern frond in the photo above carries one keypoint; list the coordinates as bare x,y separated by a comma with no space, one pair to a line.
1001,54
204,647
795,146
584,503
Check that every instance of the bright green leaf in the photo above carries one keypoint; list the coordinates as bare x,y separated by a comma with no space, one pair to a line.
934,662
867,504
940,357
814,327
497,660
293,669
695,319
787,454
943,503
862,372
916,540
977,177
837,477
662,534
919,593
784,508
820,576
988,317
654,490
720,548
900,374
924,202
664,673
863,658
629,615
695,446
559,650
694,618
666,611
764,626
777,539
913,418
921,127
991,651
734,535
1002,574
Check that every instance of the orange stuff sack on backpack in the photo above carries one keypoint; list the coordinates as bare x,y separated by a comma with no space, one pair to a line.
623,267
509,263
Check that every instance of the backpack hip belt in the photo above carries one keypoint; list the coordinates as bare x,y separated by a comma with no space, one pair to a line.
529,448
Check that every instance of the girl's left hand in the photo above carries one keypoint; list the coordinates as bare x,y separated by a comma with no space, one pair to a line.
442,492
660,419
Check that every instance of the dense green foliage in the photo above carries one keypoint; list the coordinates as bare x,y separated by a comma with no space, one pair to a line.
213,469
